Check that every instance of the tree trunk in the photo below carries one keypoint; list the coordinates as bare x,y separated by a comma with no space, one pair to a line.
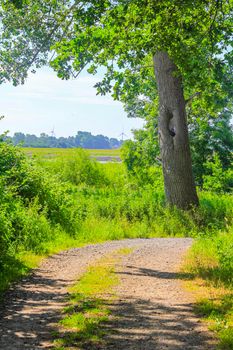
173,135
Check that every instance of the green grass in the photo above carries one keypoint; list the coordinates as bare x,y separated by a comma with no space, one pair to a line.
210,263
67,152
88,310
218,312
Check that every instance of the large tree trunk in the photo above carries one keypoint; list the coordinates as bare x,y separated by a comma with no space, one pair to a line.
173,135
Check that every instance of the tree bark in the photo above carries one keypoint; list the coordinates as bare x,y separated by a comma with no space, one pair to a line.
179,183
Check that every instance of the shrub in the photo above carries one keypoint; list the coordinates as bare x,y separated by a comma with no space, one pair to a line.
218,179
80,169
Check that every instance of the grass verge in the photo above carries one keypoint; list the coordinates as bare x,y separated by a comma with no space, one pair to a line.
211,285
88,305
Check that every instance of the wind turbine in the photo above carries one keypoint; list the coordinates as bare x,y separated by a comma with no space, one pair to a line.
52,133
122,135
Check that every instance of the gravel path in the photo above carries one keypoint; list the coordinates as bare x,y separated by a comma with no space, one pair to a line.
155,312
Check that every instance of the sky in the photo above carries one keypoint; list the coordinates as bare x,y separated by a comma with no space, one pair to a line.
46,102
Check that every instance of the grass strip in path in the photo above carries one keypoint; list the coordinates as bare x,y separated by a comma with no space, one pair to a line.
88,305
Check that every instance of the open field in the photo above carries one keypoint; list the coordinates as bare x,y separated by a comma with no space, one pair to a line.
68,152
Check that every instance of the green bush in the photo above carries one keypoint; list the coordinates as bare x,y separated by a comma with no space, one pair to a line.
80,169
34,206
218,179
141,158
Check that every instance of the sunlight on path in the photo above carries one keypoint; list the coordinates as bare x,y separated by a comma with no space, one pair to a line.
152,311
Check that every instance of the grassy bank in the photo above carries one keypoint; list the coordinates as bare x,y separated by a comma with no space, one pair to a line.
210,263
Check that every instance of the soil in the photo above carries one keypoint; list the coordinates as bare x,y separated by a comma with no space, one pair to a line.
152,311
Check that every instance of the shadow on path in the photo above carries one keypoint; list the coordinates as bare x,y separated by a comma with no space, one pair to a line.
151,317
144,325
136,271
26,320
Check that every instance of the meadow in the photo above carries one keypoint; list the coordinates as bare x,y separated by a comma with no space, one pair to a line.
68,152
59,199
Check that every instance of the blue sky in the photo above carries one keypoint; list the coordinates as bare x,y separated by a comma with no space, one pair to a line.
45,102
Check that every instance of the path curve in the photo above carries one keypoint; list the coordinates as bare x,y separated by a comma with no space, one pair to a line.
153,311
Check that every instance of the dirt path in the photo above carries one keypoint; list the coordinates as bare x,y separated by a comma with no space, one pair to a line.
153,311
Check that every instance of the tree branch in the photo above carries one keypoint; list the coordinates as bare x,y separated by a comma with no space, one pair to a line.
192,97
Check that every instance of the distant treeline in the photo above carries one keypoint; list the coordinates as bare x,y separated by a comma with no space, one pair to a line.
82,139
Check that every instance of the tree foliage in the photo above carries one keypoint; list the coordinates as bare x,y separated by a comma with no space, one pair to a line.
211,137
28,30
122,36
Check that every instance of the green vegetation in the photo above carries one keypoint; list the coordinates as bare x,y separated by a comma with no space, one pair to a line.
35,211
65,152
88,304
49,204
210,263
211,141
143,52
156,46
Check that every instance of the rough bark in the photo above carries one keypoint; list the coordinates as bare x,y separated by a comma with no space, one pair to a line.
173,135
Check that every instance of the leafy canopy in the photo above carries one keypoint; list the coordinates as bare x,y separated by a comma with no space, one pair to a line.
28,30
122,36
